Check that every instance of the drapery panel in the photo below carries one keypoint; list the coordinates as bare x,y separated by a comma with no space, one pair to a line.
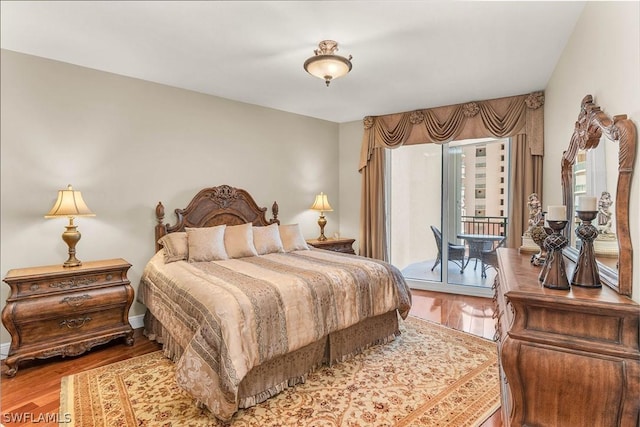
519,116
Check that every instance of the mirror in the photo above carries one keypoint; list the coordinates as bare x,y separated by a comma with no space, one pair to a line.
592,127
595,173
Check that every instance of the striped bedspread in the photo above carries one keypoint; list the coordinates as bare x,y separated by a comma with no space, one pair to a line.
230,316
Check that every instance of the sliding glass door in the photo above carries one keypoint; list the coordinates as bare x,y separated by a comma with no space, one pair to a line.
447,211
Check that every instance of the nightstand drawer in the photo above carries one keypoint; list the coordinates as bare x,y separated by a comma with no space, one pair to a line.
69,282
342,247
60,304
70,326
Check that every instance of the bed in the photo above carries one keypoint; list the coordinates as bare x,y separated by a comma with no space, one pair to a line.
245,324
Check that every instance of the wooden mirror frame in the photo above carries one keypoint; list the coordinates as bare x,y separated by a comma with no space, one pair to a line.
591,124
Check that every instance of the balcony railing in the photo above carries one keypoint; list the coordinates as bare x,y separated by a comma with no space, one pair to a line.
494,225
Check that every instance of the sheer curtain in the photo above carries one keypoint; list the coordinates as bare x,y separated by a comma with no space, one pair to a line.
520,117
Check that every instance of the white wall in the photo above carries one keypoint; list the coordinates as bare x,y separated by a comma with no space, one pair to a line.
127,144
602,58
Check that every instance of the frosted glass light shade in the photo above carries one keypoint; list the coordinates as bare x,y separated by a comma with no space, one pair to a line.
326,65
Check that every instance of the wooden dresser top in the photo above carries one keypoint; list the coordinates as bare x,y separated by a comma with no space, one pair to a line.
521,280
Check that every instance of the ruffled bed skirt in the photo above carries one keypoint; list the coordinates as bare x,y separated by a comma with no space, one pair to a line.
270,378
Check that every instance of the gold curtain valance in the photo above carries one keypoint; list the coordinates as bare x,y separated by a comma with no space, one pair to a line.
499,118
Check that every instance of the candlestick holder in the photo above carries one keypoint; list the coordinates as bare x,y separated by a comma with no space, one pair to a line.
586,272
554,273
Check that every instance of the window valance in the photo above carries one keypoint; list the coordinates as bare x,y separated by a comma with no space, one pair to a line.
501,117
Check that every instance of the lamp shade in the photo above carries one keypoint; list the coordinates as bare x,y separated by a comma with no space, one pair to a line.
70,204
321,203
326,65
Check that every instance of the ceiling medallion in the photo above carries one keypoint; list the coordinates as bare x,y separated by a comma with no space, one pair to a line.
325,64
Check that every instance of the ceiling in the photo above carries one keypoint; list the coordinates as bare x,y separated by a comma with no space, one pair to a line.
406,54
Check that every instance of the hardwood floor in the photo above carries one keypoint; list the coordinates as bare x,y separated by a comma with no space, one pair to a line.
35,391
469,314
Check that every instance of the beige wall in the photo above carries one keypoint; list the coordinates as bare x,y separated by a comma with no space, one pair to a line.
127,144
350,180
602,58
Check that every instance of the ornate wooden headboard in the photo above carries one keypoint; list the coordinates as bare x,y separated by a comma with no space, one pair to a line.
216,206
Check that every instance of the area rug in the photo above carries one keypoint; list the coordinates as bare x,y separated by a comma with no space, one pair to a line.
429,376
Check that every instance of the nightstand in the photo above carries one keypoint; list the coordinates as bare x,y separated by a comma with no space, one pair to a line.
65,311
336,245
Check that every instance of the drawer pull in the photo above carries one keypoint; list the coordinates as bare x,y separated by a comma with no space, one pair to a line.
75,301
73,283
75,323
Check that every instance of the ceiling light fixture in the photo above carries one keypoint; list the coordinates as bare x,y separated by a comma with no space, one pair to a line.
325,64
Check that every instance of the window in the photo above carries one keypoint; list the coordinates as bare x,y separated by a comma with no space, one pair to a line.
441,185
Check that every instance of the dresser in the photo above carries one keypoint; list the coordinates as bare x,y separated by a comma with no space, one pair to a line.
567,358
337,245
65,311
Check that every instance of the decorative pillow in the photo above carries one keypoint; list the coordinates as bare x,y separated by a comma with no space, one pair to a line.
206,244
267,239
292,239
238,241
176,247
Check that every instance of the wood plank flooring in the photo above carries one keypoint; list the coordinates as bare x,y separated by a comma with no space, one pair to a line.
35,390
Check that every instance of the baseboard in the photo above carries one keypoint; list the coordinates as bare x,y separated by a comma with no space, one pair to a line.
135,321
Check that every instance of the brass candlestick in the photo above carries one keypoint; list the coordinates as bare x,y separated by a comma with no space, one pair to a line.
554,273
586,272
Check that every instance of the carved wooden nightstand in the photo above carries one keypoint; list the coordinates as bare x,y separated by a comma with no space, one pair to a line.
336,245
58,311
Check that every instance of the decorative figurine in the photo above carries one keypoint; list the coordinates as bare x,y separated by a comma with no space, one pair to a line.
536,217
538,234
605,217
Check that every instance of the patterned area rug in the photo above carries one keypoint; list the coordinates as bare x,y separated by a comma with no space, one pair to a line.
429,376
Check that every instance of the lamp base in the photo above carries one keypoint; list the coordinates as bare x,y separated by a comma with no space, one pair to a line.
322,221
71,237
72,262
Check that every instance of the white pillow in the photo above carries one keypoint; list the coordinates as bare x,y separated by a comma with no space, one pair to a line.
238,241
206,244
176,247
267,239
292,239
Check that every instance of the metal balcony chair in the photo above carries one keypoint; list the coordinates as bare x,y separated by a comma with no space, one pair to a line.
456,252
489,258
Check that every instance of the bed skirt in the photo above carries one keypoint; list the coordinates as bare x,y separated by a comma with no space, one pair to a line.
270,378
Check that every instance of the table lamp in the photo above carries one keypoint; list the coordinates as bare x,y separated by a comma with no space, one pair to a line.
322,204
71,205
